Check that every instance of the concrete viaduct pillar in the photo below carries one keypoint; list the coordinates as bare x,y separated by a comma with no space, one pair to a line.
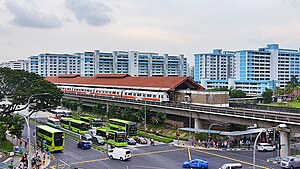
198,124
285,144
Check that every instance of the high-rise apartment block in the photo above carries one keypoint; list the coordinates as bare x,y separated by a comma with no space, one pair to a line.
16,65
134,63
249,70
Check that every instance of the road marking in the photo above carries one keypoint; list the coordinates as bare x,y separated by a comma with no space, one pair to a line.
233,159
189,153
142,166
142,154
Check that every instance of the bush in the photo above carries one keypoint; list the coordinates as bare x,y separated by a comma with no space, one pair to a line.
155,137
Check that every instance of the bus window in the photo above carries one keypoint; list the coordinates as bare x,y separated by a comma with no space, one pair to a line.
58,139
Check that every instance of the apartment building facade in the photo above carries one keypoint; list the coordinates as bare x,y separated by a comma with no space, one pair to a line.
134,63
249,70
16,65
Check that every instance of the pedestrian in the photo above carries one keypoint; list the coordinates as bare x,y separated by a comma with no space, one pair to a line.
11,164
248,144
241,143
20,142
25,144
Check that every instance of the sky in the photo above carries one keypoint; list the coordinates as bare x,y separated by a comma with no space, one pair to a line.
31,27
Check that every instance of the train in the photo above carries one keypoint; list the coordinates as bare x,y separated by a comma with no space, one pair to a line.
118,93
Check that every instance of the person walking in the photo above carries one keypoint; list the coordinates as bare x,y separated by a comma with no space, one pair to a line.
248,144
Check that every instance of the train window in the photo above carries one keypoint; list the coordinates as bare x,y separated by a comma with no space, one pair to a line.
154,96
139,94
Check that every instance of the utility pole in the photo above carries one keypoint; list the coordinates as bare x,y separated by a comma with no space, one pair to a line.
107,134
145,118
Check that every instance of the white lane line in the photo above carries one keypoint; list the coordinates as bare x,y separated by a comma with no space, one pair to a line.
142,166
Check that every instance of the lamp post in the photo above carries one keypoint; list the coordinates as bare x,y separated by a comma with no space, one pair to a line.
188,101
107,134
255,142
28,128
145,118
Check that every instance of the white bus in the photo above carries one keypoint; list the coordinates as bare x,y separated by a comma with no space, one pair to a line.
54,122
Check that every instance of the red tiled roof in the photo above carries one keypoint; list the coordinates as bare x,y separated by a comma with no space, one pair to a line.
67,75
151,83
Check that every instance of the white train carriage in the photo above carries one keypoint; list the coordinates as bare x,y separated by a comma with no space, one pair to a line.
83,90
108,92
68,89
145,95
128,94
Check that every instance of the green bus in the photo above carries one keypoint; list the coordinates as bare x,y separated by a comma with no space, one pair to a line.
128,127
50,138
116,138
95,122
77,126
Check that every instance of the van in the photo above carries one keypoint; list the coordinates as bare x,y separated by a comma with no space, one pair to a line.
119,153
290,162
232,166
98,140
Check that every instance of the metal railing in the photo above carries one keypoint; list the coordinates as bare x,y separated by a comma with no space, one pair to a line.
272,116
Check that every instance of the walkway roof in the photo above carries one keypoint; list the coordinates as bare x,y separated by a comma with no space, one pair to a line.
232,133
124,81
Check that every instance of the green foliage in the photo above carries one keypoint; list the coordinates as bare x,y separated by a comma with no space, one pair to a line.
237,127
267,96
294,81
17,125
237,93
6,145
161,118
155,137
288,88
3,128
278,91
71,104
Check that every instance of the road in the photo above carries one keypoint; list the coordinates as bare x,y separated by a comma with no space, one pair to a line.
159,157
154,157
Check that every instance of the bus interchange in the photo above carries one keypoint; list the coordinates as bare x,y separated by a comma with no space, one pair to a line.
116,133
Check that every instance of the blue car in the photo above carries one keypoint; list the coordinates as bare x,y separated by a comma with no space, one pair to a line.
84,144
196,163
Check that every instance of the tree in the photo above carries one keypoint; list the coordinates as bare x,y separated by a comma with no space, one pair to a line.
294,81
19,85
161,118
288,88
22,87
278,91
267,96
237,93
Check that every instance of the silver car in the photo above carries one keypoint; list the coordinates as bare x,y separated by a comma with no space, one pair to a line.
290,162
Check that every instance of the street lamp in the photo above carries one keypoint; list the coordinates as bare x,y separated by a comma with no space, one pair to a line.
107,134
27,122
188,101
255,142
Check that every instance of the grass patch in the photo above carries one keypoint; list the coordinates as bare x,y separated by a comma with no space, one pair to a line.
293,104
6,146
155,137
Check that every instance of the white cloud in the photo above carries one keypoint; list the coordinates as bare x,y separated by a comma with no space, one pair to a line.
93,13
27,16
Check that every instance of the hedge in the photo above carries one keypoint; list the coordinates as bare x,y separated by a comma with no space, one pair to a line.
155,137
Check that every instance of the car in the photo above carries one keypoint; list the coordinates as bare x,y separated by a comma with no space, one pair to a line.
196,163
231,166
290,162
130,141
141,140
84,144
119,153
98,140
86,137
265,147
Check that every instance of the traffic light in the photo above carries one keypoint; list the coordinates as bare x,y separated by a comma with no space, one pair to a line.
107,137
177,134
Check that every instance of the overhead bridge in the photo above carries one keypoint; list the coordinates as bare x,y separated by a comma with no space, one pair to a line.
220,114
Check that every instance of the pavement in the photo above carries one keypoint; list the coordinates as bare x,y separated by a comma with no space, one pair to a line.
16,159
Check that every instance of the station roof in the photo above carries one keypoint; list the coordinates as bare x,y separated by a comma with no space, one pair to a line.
124,81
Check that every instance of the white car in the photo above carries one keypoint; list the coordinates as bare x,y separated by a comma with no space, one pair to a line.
232,166
265,147
119,153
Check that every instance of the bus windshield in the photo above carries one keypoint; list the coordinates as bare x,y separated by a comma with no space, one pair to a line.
58,139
